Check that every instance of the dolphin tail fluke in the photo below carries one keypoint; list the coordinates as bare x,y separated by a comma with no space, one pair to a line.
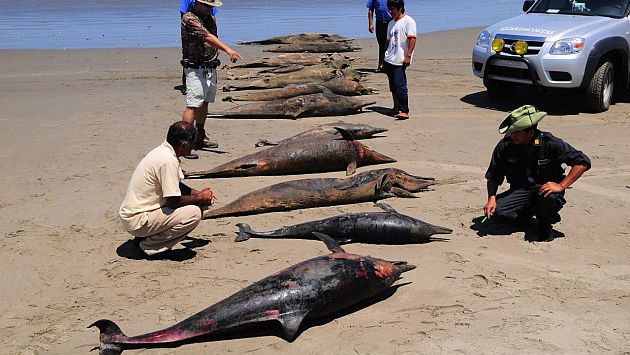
244,232
110,337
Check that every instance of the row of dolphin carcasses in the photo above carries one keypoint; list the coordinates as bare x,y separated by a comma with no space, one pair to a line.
316,287
300,82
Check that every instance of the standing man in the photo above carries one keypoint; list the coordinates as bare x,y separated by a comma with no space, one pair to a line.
379,8
401,36
184,7
158,209
531,160
200,47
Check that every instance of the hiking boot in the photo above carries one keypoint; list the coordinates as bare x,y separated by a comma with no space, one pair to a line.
546,232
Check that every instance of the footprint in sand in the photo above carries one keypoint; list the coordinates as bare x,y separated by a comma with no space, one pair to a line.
441,310
455,257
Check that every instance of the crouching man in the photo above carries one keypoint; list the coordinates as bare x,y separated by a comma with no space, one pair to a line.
158,209
531,161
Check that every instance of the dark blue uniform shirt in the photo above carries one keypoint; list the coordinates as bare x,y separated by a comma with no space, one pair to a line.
536,163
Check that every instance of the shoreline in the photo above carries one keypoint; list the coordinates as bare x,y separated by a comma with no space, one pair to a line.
76,123
231,45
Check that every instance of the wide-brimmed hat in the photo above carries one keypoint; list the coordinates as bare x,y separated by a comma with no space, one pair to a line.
215,3
522,118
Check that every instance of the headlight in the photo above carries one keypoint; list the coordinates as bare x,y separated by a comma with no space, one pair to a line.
567,46
484,39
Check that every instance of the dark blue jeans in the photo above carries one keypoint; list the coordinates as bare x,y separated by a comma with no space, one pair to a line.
381,38
521,204
398,85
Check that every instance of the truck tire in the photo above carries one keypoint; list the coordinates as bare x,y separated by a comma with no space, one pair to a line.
599,93
498,90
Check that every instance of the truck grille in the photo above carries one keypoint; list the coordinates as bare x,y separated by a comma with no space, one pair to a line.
534,44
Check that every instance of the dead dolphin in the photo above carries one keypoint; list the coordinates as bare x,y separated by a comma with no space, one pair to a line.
328,131
389,227
300,157
313,105
302,37
306,75
339,86
314,288
305,59
368,186
321,47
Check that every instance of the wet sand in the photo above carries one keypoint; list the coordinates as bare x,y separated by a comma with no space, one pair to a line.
76,123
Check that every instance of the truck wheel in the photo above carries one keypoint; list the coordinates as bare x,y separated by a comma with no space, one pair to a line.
498,90
598,95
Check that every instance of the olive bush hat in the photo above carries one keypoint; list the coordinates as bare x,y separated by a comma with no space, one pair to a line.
215,3
522,118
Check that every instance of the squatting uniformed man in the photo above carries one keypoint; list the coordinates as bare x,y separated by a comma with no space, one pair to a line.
531,160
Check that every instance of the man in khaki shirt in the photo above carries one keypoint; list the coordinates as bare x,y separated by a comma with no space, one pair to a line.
158,208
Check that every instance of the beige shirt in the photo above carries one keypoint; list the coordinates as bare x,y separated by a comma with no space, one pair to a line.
156,177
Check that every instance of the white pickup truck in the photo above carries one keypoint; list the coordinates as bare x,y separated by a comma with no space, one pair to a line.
581,45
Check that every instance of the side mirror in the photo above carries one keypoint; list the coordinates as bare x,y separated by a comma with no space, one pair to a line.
527,4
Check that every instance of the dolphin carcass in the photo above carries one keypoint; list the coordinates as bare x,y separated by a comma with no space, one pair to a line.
306,75
330,131
388,227
368,186
299,38
314,288
338,86
300,157
312,105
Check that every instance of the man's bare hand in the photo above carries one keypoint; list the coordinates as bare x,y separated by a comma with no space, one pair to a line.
207,196
490,207
371,28
234,55
550,188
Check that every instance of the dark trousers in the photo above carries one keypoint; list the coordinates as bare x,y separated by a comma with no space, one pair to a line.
398,85
521,204
381,38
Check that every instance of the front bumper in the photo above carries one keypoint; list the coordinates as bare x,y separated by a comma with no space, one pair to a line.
540,70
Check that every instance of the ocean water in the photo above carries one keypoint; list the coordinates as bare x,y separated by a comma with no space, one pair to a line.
142,23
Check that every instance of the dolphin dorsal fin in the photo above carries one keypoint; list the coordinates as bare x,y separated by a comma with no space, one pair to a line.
291,323
385,207
345,134
332,244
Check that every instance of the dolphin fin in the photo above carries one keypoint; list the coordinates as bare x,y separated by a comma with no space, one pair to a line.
382,205
332,244
263,142
291,323
397,191
244,232
351,168
345,134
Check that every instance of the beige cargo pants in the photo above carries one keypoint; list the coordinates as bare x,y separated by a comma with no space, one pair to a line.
166,227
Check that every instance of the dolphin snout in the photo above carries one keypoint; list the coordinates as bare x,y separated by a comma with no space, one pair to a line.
403,266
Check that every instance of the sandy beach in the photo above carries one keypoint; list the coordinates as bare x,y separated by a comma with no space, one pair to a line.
75,123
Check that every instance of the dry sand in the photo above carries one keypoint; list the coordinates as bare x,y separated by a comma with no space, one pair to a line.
76,123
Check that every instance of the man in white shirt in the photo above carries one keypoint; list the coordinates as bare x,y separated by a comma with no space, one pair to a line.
158,209
401,36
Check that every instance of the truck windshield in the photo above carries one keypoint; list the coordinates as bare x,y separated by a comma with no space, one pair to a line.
608,8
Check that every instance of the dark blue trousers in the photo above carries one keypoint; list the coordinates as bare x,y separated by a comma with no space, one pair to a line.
381,38
398,85
521,204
